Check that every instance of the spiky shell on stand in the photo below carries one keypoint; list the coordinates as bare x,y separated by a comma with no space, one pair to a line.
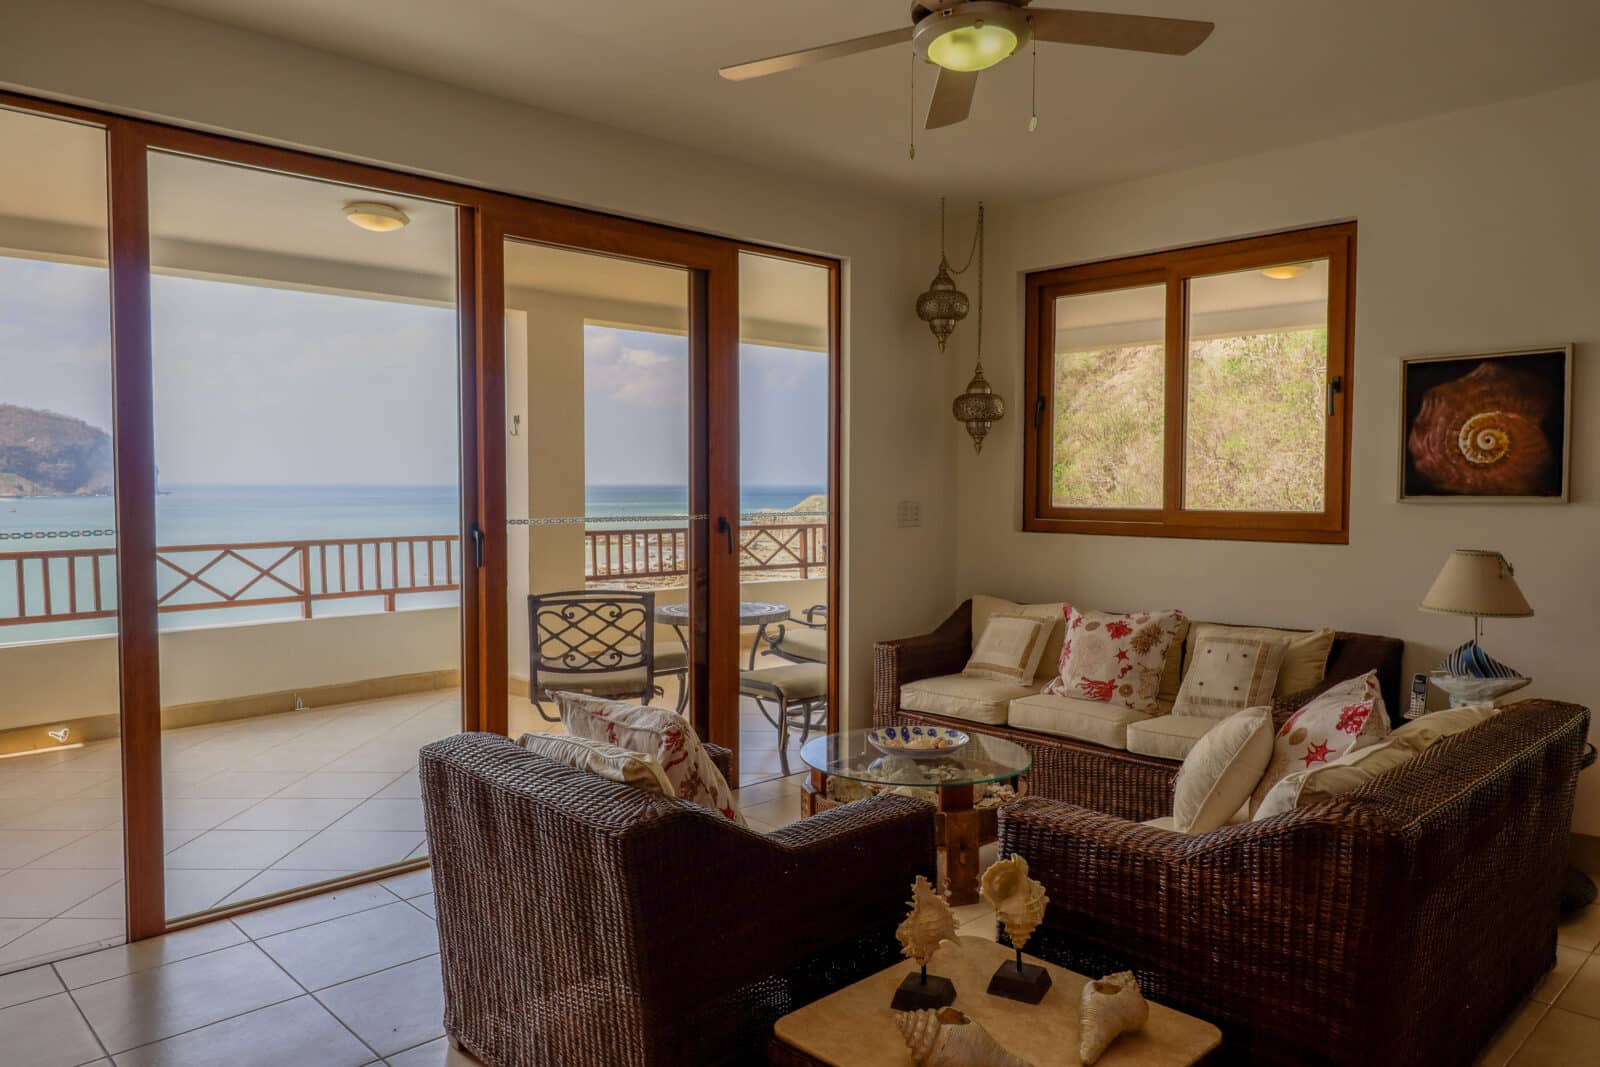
929,924
1110,1007
947,1038
1018,900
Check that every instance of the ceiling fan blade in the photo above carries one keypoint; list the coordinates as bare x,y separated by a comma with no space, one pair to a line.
1132,33
791,60
952,98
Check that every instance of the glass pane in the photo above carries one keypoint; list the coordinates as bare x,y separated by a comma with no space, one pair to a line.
597,480
308,523
1110,373
1258,365
784,409
61,846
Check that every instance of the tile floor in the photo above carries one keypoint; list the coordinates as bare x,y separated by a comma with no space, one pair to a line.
251,807
352,978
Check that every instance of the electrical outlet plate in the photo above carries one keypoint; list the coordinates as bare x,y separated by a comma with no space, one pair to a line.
910,513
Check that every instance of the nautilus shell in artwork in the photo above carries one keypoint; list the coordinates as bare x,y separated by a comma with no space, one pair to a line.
1483,434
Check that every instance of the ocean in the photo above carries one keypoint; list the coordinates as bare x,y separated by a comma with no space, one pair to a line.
215,514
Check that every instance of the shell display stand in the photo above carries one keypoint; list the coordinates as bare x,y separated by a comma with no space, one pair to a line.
855,1026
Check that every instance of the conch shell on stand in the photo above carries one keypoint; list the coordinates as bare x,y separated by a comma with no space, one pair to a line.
929,924
947,1038
1111,1006
1018,900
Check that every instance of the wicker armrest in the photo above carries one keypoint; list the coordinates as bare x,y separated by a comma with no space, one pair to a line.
895,663
721,757
891,821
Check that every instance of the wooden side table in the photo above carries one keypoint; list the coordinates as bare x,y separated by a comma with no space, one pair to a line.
856,1028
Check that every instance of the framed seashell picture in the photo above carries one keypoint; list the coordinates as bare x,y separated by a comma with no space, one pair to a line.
1485,428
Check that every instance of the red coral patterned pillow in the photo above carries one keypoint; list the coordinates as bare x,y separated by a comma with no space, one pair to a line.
1342,719
658,732
1116,659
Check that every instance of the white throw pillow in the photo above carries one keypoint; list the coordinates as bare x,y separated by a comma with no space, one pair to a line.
1438,725
1229,672
608,761
1009,649
1351,771
1116,659
1221,771
1348,716
1305,657
658,732
1052,615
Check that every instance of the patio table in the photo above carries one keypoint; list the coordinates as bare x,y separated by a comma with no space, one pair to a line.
757,613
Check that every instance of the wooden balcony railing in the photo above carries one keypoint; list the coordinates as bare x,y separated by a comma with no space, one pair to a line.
635,553
63,585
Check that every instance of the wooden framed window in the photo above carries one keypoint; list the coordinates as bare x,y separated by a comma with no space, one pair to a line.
1203,392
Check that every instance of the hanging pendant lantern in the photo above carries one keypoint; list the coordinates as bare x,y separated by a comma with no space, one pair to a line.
943,305
979,408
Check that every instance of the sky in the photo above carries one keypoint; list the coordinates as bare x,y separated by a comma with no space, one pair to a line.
259,386
636,395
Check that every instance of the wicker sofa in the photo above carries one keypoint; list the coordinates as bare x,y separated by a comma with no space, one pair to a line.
1113,781
583,922
1399,924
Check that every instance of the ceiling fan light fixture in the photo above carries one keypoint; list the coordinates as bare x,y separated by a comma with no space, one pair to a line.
972,37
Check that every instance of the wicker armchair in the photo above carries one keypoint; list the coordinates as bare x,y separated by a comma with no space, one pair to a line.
1125,784
584,922
1400,924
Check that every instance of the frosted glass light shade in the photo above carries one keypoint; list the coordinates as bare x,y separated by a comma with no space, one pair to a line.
1476,581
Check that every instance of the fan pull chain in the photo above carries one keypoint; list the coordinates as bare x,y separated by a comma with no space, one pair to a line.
1033,123
911,125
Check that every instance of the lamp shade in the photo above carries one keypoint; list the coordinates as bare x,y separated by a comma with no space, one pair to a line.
1476,581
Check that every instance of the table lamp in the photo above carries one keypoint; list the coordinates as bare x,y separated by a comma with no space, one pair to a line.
1483,584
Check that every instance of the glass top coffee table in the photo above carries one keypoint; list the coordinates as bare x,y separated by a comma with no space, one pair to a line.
960,828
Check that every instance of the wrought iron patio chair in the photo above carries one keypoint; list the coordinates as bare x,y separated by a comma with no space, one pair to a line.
597,642
803,640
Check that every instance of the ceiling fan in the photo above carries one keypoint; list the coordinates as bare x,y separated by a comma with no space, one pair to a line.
965,37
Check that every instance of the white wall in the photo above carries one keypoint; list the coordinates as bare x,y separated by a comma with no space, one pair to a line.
150,61
51,681
1478,230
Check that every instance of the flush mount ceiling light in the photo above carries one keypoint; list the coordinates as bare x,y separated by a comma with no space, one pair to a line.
1286,271
374,216
964,37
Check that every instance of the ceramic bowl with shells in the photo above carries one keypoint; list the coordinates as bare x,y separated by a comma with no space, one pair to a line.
917,742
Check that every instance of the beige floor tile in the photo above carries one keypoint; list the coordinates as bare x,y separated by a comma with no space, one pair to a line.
411,884
1581,931
43,892
433,1054
190,891
1568,960
354,784
351,850
218,849
200,814
73,814
298,1031
291,813
384,813
1504,1045
424,904
780,812
1561,1039
320,908
1582,993
18,848
376,757
394,1009
23,986
109,903
55,937
355,945
47,1033
275,881
148,954
242,785
154,1004
407,785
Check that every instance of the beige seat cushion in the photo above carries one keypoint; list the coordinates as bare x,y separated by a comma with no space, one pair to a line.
1221,771
804,642
671,657
1054,615
962,696
600,684
1305,657
797,681
608,761
1083,720
1167,736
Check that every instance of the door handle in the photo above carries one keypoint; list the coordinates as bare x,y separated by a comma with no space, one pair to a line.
476,534
725,527
1335,387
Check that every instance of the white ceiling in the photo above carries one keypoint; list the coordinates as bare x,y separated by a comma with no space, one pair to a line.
1276,72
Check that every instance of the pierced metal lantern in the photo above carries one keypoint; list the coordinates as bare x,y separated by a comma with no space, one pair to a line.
943,305
979,408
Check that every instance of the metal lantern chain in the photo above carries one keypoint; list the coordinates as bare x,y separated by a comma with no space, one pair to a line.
979,407
944,305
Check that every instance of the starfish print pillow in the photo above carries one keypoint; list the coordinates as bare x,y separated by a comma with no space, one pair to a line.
1342,719
1116,659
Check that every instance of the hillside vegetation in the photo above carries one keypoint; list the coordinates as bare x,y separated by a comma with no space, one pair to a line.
43,453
